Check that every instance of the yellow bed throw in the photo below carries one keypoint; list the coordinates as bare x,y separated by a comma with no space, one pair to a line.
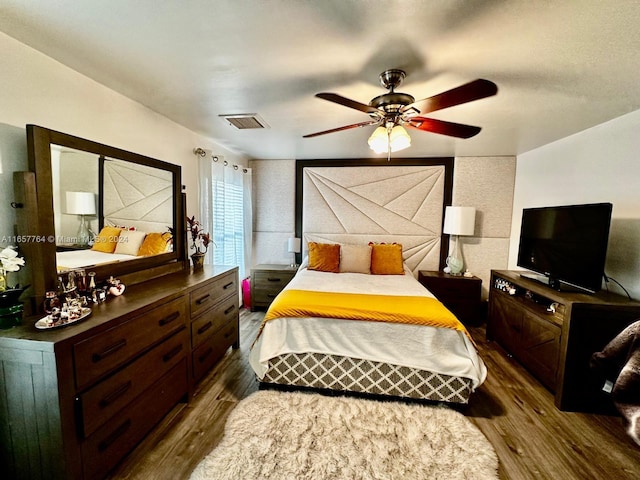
357,306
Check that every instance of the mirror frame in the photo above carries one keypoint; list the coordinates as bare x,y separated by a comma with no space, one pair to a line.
39,142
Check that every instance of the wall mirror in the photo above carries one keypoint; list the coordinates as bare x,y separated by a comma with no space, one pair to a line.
83,186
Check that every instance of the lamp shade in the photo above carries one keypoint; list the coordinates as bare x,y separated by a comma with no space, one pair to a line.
81,203
459,220
293,245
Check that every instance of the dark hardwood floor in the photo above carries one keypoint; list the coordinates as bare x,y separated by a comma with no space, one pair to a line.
532,438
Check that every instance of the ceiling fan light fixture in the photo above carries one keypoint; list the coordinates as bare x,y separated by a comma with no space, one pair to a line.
399,138
382,137
379,140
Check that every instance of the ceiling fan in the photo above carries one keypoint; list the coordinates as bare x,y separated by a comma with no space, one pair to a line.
393,110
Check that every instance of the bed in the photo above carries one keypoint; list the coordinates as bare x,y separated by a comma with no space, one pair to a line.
365,333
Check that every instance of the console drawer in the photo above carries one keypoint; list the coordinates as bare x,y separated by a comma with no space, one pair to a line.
204,297
102,401
210,322
213,348
101,353
110,443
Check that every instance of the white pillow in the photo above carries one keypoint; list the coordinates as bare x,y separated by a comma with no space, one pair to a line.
355,259
129,242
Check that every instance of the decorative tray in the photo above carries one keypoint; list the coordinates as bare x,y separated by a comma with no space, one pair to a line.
47,323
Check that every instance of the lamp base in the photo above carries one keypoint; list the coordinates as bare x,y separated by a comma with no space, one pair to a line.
455,263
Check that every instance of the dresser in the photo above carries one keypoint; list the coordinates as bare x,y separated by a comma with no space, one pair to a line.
462,295
267,281
74,401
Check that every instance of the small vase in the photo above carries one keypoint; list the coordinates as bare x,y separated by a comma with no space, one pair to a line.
198,261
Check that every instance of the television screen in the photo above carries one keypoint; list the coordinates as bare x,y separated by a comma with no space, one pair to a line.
567,243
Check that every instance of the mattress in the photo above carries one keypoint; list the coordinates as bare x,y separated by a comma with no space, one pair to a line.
326,346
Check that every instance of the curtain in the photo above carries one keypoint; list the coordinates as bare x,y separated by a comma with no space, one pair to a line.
226,212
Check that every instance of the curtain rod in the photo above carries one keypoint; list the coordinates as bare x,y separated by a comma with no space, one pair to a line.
201,152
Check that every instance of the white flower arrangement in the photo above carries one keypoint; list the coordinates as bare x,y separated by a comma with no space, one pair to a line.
11,262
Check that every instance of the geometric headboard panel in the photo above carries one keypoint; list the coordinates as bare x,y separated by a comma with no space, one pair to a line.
137,196
363,203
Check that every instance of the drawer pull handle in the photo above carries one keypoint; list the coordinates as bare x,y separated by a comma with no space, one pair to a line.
229,333
230,309
228,285
107,442
201,300
273,279
168,356
113,396
204,328
169,319
272,295
204,356
96,357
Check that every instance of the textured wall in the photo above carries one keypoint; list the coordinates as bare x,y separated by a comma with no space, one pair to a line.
486,183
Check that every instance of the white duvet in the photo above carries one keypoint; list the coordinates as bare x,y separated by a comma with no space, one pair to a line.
440,350
84,258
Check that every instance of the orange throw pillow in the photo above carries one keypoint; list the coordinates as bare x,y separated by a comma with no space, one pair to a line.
324,257
386,259
107,240
153,244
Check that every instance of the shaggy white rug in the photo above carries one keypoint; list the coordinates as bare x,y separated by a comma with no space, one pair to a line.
283,435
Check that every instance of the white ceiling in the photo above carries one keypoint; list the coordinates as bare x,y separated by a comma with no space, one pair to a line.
560,66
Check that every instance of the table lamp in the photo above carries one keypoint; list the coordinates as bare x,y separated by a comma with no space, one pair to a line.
458,221
293,246
82,203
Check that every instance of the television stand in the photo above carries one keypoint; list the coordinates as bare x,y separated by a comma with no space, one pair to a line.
553,334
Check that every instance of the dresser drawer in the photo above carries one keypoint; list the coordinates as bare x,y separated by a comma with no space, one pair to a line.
204,297
213,348
101,402
212,320
102,353
110,443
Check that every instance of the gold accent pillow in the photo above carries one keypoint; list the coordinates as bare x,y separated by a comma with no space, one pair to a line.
386,259
154,244
107,240
324,257
355,259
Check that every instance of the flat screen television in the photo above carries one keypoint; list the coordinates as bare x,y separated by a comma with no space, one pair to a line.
567,244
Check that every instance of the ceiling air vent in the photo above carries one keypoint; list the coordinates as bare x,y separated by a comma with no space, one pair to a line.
244,121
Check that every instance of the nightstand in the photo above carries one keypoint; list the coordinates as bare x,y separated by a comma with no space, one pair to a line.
461,295
267,281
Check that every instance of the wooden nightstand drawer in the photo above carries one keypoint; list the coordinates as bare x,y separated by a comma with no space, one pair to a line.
267,281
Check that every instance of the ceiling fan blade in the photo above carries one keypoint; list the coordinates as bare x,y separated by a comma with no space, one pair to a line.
339,129
444,128
464,93
347,102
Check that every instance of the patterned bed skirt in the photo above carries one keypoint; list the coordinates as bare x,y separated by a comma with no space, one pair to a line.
364,376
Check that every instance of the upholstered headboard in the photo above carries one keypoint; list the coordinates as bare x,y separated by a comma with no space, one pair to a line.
137,196
359,201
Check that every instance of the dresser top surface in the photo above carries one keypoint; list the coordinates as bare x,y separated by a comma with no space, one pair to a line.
136,298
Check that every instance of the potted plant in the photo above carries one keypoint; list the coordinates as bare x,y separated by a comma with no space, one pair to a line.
10,305
199,242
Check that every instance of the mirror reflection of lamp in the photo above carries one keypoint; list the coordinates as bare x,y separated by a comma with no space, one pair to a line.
82,203
293,246
458,221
